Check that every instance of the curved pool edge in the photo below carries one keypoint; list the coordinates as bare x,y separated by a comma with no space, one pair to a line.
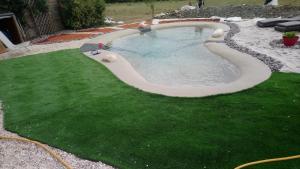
252,71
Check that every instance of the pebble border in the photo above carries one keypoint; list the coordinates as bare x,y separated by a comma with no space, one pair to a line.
273,64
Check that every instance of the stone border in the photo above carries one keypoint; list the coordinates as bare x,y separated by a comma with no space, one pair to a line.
252,71
273,64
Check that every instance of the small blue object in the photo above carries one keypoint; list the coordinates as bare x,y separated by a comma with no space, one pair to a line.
95,52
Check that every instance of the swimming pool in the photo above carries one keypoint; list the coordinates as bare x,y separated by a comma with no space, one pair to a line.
179,59
175,57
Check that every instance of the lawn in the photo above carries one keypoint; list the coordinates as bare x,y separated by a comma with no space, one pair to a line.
138,11
71,102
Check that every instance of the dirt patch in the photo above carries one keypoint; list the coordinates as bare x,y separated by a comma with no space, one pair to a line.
130,26
100,30
64,38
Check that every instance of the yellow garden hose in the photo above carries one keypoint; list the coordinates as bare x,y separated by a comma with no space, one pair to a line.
67,166
38,144
267,161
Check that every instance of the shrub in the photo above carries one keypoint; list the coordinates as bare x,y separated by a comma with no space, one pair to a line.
289,34
77,14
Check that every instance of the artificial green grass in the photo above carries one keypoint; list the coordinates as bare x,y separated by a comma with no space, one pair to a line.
71,102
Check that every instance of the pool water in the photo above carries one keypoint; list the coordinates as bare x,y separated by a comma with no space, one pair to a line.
175,57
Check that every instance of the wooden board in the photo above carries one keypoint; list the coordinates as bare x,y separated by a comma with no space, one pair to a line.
2,48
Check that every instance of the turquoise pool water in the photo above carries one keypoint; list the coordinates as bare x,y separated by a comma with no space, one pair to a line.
175,57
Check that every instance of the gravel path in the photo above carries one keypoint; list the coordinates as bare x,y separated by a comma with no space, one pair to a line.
18,155
273,64
258,40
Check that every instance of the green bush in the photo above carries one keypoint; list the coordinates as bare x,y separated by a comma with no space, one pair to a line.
77,14
289,34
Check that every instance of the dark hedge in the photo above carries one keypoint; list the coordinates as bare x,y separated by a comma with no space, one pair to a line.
78,14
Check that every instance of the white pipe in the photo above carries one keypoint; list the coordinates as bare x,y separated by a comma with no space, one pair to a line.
6,41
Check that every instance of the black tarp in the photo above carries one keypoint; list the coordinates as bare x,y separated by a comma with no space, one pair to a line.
10,27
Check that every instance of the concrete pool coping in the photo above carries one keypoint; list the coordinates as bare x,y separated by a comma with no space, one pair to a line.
252,70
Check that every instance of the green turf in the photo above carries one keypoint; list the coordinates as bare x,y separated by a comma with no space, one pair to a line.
68,101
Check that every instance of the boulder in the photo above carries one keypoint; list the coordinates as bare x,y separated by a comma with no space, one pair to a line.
109,57
187,8
218,33
234,19
160,15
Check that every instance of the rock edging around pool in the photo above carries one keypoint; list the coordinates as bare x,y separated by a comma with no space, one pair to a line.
252,71
273,64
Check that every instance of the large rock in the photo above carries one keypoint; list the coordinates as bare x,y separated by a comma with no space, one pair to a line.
187,8
109,57
218,33
273,2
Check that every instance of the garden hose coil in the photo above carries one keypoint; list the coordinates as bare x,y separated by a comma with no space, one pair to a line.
38,144
67,166
268,161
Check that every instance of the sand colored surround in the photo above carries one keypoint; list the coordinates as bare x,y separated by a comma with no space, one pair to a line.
252,71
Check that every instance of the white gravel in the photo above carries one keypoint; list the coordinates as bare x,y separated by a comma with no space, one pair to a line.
18,155
258,40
